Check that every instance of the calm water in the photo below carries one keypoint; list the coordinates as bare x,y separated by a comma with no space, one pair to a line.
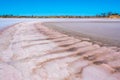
108,30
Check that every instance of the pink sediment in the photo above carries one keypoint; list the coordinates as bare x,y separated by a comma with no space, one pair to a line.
31,51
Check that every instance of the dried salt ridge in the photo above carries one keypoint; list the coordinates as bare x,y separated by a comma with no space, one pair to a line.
31,51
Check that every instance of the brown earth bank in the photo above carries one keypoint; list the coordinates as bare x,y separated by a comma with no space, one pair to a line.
32,51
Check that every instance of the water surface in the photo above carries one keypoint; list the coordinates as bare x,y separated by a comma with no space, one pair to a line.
108,30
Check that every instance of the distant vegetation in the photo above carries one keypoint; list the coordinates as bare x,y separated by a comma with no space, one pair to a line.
107,14
102,15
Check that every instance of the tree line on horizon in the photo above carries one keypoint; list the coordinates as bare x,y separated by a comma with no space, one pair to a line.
102,15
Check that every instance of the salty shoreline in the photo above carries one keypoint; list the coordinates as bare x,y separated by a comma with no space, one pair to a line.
32,51
99,40
94,39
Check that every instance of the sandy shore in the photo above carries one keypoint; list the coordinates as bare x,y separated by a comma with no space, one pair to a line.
32,51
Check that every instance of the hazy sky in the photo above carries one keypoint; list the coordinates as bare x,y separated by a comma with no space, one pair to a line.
58,7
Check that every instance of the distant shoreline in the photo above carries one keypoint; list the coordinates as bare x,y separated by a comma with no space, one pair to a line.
64,16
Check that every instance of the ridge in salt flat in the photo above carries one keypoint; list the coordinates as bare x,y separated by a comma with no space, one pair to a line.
31,51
